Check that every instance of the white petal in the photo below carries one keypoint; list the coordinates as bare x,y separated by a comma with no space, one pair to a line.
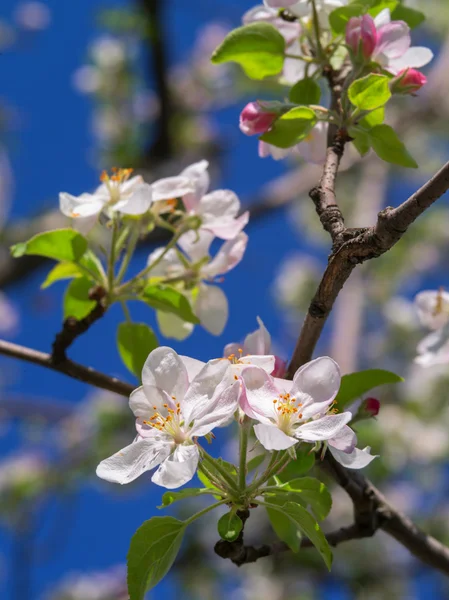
320,380
357,459
196,244
260,392
266,150
227,228
171,187
178,468
273,438
139,403
164,370
433,308
174,327
219,204
227,257
259,13
322,429
85,205
199,176
259,341
345,440
128,464
415,57
137,202
169,266
192,365
223,406
264,362
212,309
232,348
382,18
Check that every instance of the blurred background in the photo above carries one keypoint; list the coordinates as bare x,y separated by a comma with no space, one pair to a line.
93,84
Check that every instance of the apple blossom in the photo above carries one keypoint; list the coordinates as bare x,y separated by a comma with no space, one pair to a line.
433,312
361,35
312,149
116,193
303,9
170,412
408,81
255,120
210,303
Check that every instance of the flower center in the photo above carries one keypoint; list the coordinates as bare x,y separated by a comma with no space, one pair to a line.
114,180
172,423
236,360
439,304
287,411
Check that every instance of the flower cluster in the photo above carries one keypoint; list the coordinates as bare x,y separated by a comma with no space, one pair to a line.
183,399
433,312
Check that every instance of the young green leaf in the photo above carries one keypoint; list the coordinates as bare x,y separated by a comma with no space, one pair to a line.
229,526
411,16
135,341
76,299
378,6
282,524
167,299
360,139
338,18
389,147
63,270
59,244
313,493
152,552
258,47
354,385
305,91
375,117
370,92
300,466
171,496
291,127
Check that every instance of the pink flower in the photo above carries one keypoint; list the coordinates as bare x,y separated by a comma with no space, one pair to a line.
255,120
361,35
408,81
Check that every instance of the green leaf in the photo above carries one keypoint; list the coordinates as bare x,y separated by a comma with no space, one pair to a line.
302,519
76,299
60,244
258,47
338,18
63,270
282,525
291,127
229,526
411,16
354,385
305,91
167,299
314,494
255,462
300,466
370,92
171,496
379,5
376,117
360,139
389,147
152,552
135,341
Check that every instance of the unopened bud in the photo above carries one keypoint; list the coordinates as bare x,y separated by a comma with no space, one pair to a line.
371,406
361,36
408,81
255,120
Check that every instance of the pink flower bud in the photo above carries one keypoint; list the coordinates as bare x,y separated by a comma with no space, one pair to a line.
371,406
361,35
255,120
408,81
280,367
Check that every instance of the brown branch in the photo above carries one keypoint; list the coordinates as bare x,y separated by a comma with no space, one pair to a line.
362,245
68,367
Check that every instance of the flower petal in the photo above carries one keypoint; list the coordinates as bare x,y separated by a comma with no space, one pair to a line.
227,228
211,308
393,40
227,257
415,57
357,459
192,365
85,205
140,456
260,391
221,411
172,326
264,362
383,18
140,404
433,308
273,438
345,440
178,468
137,203
219,204
168,266
164,370
320,381
323,429
259,341
196,244
199,176
171,187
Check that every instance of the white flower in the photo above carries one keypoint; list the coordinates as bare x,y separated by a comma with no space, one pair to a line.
210,303
312,149
116,193
170,412
433,312
303,9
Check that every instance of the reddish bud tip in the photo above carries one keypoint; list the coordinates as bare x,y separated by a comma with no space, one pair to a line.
361,36
408,81
372,406
254,120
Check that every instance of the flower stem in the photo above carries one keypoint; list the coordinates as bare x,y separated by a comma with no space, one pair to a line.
274,467
126,311
243,438
230,481
316,27
132,243
204,511
111,261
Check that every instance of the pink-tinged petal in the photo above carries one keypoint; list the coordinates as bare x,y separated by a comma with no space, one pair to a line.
284,385
140,456
415,57
322,429
263,362
345,440
223,404
196,244
227,257
171,187
192,365
178,468
199,176
201,393
259,341
254,120
212,309
137,202
231,349
219,204
320,379
173,327
227,228
164,370
273,438
433,308
383,18
140,404
280,367
260,390
393,40
357,459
